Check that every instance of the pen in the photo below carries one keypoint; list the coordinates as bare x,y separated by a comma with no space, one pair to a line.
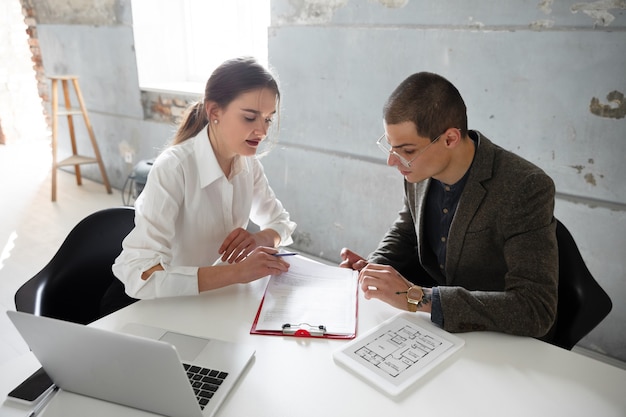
44,401
285,254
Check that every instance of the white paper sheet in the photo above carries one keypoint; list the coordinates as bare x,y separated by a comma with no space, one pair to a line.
311,294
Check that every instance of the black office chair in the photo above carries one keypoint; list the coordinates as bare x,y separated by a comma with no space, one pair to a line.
582,304
72,285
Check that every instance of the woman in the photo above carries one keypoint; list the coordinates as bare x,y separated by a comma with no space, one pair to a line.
203,190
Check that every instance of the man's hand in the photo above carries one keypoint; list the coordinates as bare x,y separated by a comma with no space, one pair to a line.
352,260
388,285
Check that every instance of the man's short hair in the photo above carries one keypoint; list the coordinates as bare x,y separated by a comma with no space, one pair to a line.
428,100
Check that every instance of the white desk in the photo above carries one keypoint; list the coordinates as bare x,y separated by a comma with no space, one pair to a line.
492,375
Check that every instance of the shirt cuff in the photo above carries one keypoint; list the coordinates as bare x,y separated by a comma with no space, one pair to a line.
284,230
175,281
436,313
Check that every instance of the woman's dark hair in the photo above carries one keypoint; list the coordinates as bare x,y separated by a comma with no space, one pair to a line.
428,100
231,79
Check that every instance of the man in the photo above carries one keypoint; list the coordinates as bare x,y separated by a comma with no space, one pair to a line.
475,243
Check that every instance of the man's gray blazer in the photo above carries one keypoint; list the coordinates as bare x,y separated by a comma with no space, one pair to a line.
501,270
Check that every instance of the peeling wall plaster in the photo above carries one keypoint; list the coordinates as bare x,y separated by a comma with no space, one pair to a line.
542,24
599,10
81,12
616,109
590,178
546,6
578,168
393,4
313,11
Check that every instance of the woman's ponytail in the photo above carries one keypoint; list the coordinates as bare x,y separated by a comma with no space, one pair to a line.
194,120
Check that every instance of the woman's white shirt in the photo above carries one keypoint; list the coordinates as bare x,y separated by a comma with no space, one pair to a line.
184,213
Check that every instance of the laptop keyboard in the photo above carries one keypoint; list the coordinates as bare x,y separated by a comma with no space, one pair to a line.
204,381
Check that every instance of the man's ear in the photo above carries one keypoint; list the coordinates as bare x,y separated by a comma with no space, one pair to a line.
452,137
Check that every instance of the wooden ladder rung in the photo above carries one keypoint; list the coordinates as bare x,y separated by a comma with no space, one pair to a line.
77,160
69,112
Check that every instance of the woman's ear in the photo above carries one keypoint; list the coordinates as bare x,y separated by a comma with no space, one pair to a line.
212,111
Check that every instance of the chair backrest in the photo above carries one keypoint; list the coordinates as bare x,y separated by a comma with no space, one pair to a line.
582,304
71,286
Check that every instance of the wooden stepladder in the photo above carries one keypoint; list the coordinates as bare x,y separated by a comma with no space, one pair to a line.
69,111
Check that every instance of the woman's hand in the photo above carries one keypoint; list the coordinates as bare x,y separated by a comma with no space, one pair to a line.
240,243
352,260
260,263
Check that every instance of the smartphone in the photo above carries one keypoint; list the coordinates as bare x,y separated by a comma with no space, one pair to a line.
33,388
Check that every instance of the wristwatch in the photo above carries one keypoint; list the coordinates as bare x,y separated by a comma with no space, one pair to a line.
414,296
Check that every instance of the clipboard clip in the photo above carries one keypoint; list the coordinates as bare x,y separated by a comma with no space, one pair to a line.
304,330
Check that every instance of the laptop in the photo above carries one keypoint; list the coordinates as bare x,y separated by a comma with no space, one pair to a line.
143,367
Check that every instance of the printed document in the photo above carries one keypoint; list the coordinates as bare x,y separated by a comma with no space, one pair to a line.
310,295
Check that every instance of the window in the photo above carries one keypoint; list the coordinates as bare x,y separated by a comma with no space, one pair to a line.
178,43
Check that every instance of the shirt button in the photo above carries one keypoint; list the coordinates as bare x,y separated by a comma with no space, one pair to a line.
445,211
443,238
440,266
447,188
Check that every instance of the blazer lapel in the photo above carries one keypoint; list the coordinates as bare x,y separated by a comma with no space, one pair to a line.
421,191
471,198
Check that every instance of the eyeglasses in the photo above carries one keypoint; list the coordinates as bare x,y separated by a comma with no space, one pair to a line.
388,150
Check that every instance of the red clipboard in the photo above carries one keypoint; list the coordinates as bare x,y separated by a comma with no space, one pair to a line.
314,330
302,329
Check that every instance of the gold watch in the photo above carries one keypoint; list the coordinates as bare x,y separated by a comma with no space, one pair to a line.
414,296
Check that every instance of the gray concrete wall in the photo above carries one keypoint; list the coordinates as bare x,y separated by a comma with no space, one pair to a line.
538,78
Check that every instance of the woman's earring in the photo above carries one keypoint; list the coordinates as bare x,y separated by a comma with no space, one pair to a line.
215,121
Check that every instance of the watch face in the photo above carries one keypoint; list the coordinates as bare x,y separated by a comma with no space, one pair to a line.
414,294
